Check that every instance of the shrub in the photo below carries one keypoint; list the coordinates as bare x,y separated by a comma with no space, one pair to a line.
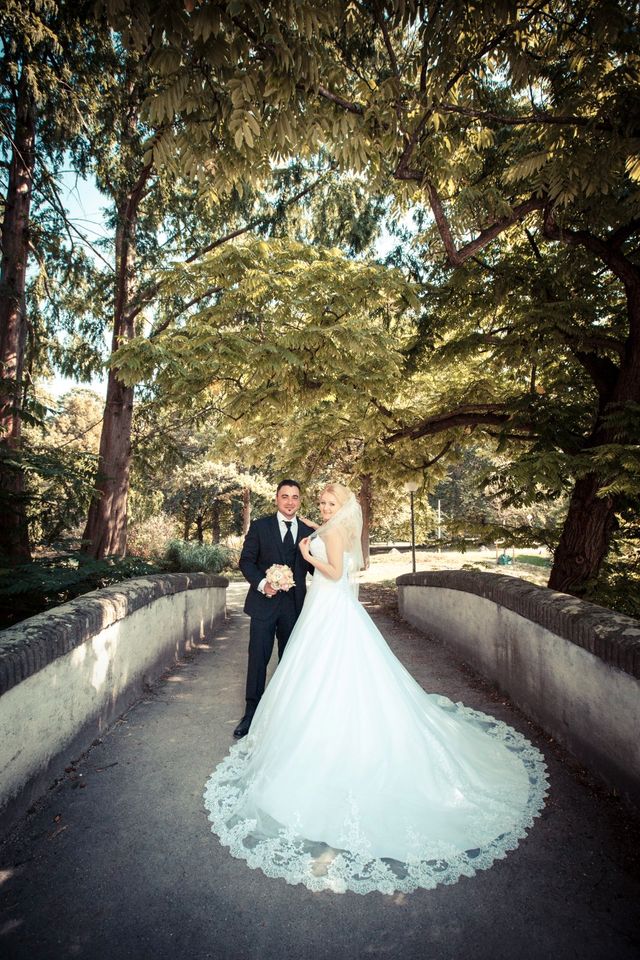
31,588
618,585
234,545
149,538
182,556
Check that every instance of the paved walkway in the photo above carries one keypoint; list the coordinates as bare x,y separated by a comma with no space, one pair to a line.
118,861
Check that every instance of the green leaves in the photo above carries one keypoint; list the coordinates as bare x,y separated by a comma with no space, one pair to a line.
525,168
28,589
632,166
293,329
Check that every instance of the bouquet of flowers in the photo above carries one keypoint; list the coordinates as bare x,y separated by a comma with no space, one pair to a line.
280,577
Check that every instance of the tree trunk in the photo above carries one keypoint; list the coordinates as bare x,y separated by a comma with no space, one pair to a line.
215,522
199,528
14,531
591,519
187,525
585,538
106,530
365,502
246,510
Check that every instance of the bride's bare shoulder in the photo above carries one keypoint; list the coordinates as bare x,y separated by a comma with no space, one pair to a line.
334,539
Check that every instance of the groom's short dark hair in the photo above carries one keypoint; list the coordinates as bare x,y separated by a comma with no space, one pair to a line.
287,483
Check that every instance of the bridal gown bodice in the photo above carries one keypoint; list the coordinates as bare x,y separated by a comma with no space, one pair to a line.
353,777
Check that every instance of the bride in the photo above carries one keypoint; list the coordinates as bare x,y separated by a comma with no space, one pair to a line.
352,777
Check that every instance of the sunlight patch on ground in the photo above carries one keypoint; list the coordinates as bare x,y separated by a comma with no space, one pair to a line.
388,566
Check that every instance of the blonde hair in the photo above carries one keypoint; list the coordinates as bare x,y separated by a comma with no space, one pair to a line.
340,492
347,519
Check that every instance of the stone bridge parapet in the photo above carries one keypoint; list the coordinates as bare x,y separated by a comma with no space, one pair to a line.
571,666
68,673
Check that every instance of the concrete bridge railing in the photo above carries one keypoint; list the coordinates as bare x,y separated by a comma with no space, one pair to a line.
571,666
66,674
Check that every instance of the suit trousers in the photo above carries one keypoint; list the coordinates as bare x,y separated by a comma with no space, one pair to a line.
262,634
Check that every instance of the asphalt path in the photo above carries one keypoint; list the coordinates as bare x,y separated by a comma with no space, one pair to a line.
118,862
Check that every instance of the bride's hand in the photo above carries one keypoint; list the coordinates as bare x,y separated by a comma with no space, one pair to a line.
304,548
308,522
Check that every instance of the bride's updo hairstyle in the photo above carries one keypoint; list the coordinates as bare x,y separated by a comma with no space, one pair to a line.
347,520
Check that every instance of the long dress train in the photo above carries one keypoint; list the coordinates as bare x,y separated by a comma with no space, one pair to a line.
353,778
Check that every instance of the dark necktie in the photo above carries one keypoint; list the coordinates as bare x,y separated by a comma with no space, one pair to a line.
289,545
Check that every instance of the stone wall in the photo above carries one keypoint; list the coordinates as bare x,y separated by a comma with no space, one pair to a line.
571,666
66,674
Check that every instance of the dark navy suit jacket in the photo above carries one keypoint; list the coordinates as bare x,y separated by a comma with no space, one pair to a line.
262,548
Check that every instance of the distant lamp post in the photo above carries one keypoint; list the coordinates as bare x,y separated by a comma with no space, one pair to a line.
410,487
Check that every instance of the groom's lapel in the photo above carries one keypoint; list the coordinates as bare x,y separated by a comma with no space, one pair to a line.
275,528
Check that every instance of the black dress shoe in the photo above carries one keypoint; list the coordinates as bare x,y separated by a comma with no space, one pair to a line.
243,728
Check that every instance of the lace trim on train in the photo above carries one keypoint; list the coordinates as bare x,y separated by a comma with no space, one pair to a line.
319,867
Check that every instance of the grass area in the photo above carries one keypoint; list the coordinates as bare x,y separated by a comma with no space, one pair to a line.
533,559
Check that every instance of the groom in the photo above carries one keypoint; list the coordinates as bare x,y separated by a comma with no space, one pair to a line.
273,613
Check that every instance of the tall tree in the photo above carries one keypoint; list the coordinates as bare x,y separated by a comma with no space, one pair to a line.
494,116
48,53
177,122
13,320
105,531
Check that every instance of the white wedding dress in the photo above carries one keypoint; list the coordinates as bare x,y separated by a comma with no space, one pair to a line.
353,778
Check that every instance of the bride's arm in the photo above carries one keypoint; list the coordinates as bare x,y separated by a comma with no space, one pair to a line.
332,566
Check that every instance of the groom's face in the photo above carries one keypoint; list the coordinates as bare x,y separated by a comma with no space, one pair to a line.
288,501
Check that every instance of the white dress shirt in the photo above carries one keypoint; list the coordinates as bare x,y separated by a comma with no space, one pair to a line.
282,523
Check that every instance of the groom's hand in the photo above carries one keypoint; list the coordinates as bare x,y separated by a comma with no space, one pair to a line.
308,522
269,591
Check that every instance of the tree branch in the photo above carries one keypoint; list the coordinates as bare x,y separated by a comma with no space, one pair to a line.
541,117
191,303
609,253
622,233
469,415
403,171
340,101
429,463
592,343
153,289
70,226
575,341
602,371
379,16
523,437
534,245
456,257
425,464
